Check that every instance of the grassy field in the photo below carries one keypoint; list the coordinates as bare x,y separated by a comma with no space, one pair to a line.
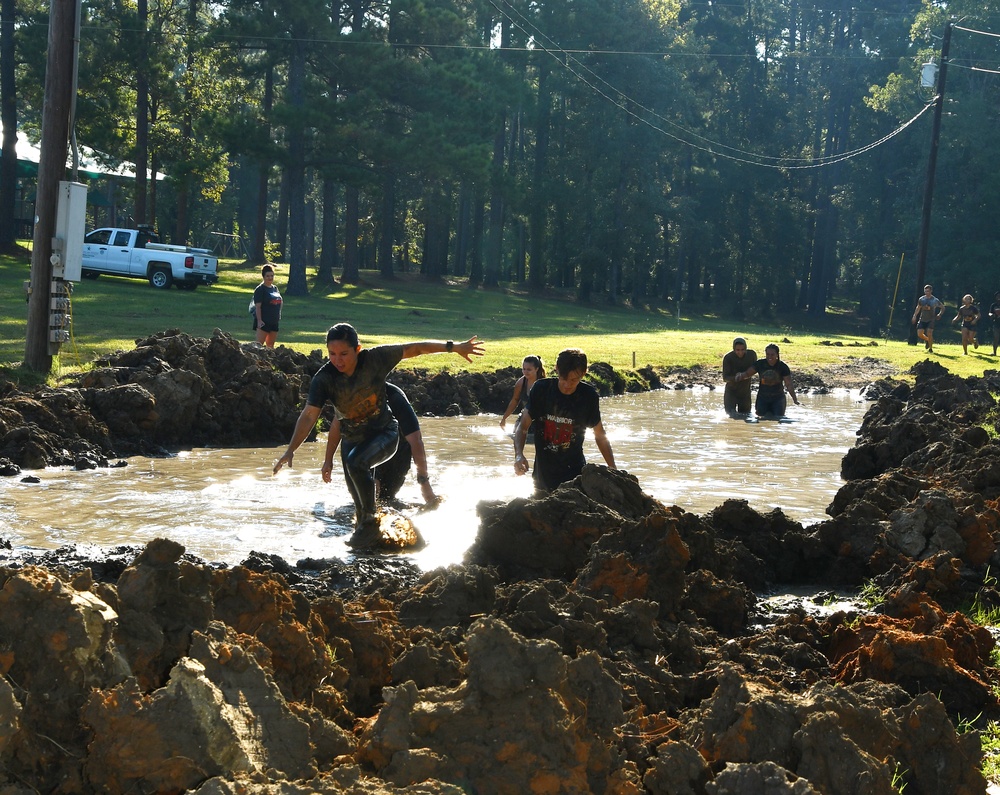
111,313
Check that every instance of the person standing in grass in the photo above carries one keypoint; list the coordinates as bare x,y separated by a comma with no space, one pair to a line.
929,309
736,397
267,306
562,408
995,318
968,313
367,432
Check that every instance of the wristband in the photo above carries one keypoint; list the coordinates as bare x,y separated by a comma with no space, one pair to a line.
449,345
423,479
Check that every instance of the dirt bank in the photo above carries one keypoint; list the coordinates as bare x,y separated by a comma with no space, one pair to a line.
594,641
174,391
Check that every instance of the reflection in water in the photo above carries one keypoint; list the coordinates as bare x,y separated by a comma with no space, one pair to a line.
221,504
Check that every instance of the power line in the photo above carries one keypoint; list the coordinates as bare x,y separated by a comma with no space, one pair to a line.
980,32
709,146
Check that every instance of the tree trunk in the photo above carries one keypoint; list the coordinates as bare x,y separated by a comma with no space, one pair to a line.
539,202
281,223
8,114
351,273
491,277
478,222
387,236
436,229
328,255
141,115
297,284
462,231
257,255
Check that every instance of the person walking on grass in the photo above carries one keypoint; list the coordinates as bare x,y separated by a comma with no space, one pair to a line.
968,313
562,408
367,432
995,318
929,309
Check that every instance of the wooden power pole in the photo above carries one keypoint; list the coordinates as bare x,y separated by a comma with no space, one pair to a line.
56,111
925,214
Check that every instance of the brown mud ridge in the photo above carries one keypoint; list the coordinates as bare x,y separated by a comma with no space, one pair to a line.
594,641
174,391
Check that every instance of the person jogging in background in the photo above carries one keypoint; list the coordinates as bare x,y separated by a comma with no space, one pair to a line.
968,313
929,309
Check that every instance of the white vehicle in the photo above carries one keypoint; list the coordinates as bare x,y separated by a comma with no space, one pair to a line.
139,254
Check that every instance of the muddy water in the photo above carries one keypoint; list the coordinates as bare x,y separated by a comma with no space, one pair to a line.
221,504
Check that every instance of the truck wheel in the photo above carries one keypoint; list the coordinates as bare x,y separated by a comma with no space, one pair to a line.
160,278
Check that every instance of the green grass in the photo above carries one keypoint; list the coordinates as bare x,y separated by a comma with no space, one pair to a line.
989,739
111,313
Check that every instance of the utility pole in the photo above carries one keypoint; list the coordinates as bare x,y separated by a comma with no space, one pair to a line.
925,218
56,111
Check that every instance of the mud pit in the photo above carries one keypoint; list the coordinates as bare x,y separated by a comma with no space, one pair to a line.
594,641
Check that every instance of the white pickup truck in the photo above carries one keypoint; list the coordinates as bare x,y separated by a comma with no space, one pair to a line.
139,254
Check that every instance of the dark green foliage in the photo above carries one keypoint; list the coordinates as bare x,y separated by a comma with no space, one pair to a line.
629,151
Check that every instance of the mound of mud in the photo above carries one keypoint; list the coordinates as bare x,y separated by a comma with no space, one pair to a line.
594,641
174,391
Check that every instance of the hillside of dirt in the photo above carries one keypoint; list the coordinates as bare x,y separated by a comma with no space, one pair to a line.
173,392
593,641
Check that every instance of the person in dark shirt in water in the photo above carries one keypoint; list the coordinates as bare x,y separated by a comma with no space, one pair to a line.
562,409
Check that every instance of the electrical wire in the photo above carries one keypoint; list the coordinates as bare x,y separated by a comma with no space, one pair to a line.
973,30
709,146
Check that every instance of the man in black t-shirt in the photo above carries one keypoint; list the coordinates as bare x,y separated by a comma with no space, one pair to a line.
562,409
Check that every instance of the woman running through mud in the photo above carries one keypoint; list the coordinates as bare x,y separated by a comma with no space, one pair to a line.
354,381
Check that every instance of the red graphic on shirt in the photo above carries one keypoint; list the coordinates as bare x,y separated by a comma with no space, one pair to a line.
557,431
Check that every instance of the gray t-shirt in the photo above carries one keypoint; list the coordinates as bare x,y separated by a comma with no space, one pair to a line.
927,306
359,399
